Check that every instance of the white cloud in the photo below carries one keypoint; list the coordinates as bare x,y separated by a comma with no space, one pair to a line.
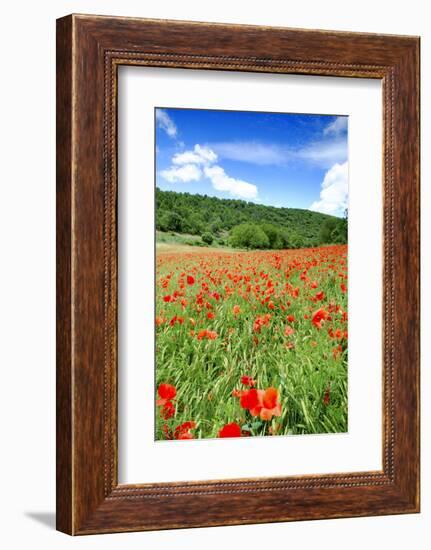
186,167
199,155
222,182
330,150
337,126
164,121
324,153
252,151
184,173
334,191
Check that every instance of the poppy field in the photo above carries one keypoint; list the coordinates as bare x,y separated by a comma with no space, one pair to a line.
251,343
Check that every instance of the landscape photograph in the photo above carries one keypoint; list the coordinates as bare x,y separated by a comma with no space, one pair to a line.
251,277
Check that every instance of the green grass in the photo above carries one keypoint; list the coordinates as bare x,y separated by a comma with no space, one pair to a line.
186,239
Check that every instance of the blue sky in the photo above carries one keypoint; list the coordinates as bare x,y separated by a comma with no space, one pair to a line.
278,159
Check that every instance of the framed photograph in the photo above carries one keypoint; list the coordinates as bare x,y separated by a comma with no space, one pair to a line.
237,274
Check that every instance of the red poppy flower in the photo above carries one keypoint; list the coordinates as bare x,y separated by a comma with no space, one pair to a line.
261,322
263,403
208,334
257,325
168,410
319,316
291,318
270,398
327,397
167,298
271,405
343,287
173,321
249,399
236,310
248,381
166,393
320,295
190,280
336,351
288,331
230,430
183,430
295,292
210,315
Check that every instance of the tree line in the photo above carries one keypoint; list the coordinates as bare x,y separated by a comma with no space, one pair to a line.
244,224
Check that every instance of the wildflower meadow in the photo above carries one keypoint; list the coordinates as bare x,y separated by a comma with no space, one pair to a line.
251,343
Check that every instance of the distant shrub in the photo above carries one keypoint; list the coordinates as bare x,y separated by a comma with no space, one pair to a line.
333,230
207,238
277,237
248,235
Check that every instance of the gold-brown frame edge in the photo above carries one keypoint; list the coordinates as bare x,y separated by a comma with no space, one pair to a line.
149,490
117,497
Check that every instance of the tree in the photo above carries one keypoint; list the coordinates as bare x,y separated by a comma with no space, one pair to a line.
197,224
334,230
339,234
207,238
326,230
276,236
248,235
174,222
216,225
296,241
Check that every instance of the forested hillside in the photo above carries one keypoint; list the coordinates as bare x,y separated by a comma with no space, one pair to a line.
245,224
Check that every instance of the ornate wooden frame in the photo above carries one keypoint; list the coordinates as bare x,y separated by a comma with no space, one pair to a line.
89,51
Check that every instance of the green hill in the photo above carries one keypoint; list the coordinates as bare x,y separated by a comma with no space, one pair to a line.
216,221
